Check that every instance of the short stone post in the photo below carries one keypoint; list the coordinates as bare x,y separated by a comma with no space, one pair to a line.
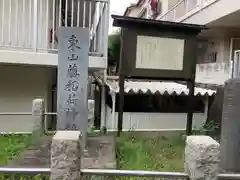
90,115
38,118
202,157
66,155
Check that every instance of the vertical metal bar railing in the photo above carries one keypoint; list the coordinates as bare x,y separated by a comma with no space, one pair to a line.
35,25
3,20
36,22
10,22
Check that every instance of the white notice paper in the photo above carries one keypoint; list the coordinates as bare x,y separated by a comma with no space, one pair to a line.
159,53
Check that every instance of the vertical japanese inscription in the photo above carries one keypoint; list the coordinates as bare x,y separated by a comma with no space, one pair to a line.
73,78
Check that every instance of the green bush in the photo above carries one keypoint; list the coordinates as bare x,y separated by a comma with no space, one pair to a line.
23,177
212,128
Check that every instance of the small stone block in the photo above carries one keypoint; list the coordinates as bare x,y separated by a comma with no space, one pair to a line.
202,157
38,118
66,155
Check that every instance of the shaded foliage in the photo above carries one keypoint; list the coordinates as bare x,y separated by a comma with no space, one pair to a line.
213,123
114,49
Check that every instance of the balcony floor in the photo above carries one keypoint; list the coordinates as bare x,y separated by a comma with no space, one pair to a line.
207,15
96,62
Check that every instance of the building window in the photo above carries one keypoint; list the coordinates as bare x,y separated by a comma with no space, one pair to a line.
158,103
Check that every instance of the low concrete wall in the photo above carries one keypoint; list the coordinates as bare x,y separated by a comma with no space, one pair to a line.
133,121
151,134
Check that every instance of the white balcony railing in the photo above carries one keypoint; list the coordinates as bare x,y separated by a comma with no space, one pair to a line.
214,73
32,25
184,9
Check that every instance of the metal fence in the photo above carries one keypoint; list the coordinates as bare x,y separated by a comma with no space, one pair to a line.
46,120
103,174
86,174
184,8
32,25
29,114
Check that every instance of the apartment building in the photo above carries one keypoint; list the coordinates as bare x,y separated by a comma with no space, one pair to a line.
218,45
29,53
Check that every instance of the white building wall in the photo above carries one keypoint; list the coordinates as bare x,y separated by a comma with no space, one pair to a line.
164,6
154,121
134,12
19,86
209,11
167,5
213,73
224,41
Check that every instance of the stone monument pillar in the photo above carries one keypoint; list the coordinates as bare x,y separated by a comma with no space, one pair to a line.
73,61
230,131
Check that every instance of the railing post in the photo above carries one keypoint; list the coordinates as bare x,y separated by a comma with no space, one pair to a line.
231,70
105,31
174,15
38,118
100,34
35,25
66,155
202,157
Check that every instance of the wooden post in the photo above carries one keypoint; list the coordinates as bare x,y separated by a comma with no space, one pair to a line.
121,82
121,104
97,104
191,86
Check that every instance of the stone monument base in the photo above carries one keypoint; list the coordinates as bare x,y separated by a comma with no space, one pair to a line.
99,154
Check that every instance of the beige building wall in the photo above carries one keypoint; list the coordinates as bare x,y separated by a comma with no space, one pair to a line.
219,41
134,12
224,41
167,4
19,86
133,121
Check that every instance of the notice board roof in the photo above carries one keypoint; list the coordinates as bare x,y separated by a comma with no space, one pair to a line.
140,23
156,87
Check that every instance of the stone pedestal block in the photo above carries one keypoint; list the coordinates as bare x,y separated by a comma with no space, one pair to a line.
66,155
202,157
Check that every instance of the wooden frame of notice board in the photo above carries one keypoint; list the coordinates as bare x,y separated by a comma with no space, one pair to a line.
157,50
